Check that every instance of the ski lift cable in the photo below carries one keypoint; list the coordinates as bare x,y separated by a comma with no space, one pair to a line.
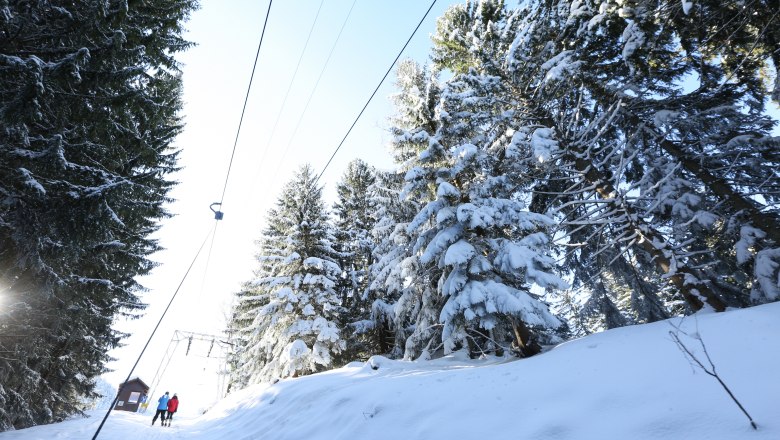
311,94
116,398
155,378
158,378
389,69
218,214
243,110
208,262
289,86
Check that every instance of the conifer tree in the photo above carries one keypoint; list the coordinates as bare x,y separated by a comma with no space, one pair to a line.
686,153
477,233
353,224
390,257
287,321
89,96
413,128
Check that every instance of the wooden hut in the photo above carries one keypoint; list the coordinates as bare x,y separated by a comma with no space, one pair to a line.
132,394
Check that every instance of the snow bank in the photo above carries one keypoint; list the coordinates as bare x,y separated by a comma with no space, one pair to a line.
628,383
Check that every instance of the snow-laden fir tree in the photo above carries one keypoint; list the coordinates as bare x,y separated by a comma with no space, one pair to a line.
598,202
354,219
666,143
287,320
708,150
394,278
441,144
89,96
471,35
477,234
669,181
517,48
399,285
387,279
557,62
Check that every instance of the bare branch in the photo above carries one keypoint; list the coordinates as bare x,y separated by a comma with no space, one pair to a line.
708,369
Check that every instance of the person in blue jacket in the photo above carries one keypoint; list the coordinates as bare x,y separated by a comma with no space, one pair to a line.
162,407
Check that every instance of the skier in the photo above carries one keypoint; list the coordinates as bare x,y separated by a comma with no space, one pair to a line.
162,406
173,405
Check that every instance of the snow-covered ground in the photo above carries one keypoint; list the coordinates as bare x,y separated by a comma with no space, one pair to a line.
630,383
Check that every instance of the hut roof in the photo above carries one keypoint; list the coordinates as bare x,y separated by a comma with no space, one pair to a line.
136,379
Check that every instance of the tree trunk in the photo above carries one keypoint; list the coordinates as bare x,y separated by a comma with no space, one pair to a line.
523,343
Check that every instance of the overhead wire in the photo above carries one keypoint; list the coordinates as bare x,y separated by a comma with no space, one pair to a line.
218,214
158,375
289,86
311,94
206,268
389,69
246,99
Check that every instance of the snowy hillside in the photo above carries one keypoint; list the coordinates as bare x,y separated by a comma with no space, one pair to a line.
629,383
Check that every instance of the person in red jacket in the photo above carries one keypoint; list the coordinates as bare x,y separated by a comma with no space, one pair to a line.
173,405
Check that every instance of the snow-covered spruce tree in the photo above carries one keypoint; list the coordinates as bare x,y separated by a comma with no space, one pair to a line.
399,284
471,35
477,234
288,318
415,103
89,95
483,37
248,322
610,239
387,280
353,213
567,78
246,358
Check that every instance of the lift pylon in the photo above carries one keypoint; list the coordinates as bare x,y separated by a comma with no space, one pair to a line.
180,336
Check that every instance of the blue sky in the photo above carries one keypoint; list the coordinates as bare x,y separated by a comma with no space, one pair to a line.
216,73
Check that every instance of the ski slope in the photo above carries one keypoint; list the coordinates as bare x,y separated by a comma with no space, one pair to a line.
629,383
